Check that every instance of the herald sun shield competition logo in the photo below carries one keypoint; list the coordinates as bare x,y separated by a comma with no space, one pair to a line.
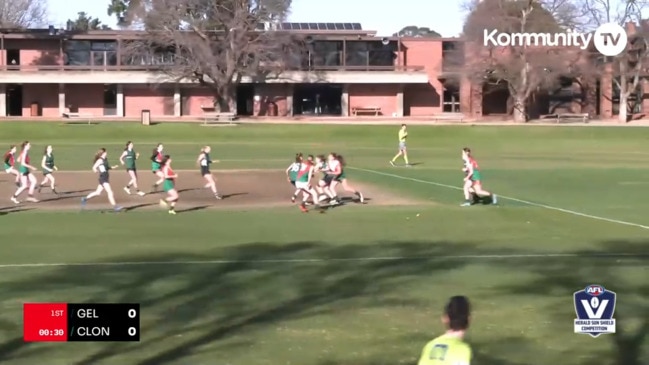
595,307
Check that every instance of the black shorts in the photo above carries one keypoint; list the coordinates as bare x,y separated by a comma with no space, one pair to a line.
205,171
293,182
328,179
133,169
26,173
103,179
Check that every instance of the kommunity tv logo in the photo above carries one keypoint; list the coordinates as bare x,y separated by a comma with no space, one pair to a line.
609,39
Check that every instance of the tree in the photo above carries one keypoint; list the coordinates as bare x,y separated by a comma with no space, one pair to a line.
630,64
523,69
23,13
84,23
218,42
415,31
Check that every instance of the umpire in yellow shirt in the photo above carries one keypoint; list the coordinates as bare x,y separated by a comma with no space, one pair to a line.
403,151
450,348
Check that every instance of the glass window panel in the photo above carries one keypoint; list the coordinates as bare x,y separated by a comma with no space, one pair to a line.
77,45
111,58
104,45
98,58
77,58
381,58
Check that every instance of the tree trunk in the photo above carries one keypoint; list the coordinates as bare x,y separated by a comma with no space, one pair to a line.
519,109
623,115
227,100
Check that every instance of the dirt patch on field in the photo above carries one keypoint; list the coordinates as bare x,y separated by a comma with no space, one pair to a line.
240,188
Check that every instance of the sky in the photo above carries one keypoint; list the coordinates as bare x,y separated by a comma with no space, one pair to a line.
385,17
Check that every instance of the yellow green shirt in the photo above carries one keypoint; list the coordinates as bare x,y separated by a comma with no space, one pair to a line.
402,136
446,350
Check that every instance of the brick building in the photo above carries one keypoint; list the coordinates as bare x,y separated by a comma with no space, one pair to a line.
348,71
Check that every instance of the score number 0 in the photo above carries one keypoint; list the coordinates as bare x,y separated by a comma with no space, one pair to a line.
132,313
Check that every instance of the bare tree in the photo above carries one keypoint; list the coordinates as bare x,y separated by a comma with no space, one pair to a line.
523,68
631,64
219,43
23,13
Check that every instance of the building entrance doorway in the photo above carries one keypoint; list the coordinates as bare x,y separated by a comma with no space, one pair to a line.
14,100
316,99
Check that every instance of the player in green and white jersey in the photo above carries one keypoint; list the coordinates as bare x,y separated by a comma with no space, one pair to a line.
48,165
127,159
291,174
450,348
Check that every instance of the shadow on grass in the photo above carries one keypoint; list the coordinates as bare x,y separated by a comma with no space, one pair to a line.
138,206
12,210
564,276
193,306
193,209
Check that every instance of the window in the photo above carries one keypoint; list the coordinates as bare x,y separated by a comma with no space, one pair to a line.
327,53
78,45
356,54
375,53
84,53
77,58
451,99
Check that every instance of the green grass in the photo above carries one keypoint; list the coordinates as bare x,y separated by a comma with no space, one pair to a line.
299,289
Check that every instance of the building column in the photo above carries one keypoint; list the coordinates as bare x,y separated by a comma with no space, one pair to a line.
290,91
344,101
62,108
120,100
177,102
465,96
3,100
400,105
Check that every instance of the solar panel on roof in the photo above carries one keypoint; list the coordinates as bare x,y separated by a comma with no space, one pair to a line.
331,26
322,26
357,26
285,26
313,26
348,26
304,26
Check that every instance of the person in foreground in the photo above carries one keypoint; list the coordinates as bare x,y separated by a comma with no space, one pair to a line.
473,181
102,167
450,348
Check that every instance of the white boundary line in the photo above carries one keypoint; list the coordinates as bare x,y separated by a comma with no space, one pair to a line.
326,260
539,205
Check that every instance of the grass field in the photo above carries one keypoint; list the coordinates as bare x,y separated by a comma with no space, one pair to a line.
363,285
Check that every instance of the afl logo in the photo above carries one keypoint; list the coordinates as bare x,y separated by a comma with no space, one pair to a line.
595,290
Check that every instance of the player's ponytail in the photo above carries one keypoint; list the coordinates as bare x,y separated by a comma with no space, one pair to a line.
23,145
298,157
127,144
100,152
340,159
165,159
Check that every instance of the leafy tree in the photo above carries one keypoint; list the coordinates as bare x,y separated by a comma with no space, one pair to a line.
84,23
415,31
